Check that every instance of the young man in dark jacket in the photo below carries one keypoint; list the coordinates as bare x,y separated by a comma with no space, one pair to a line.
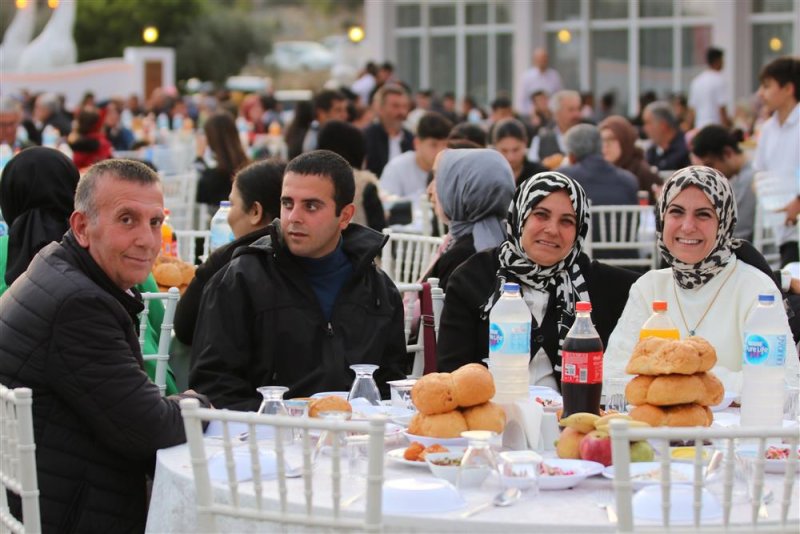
67,332
299,306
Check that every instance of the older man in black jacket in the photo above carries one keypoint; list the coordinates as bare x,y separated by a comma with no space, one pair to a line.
299,306
67,331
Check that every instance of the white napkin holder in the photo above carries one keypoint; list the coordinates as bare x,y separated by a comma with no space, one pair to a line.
528,426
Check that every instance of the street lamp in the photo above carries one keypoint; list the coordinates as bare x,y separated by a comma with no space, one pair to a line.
150,34
52,4
355,34
21,4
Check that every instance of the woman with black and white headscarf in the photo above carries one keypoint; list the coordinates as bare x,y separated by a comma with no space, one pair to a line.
709,292
547,223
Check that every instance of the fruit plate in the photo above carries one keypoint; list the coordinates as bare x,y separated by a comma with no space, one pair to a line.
428,441
770,465
649,473
583,469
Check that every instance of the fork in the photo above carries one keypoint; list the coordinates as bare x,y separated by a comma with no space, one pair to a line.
605,499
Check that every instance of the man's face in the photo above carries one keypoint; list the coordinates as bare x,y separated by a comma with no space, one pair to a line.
40,112
394,110
541,103
124,237
569,114
540,59
338,112
653,128
427,150
310,226
8,127
726,164
773,95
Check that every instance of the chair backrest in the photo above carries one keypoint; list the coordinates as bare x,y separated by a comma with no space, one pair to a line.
187,245
411,309
772,193
170,299
406,256
283,426
623,235
429,218
725,439
180,192
18,460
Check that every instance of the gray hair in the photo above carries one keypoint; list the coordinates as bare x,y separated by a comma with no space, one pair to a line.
583,140
662,112
560,96
126,170
9,105
50,101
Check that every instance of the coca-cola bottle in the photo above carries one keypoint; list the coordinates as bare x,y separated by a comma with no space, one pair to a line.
582,364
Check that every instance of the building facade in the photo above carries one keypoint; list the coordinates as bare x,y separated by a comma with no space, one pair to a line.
481,48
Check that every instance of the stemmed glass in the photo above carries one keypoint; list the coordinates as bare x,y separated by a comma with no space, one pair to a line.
364,386
479,459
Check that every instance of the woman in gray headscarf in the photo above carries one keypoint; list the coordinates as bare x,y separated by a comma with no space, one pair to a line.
471,192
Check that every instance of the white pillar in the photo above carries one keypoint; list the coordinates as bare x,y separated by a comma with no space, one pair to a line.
527,19
378,23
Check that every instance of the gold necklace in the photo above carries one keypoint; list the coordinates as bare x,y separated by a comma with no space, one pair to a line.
708,308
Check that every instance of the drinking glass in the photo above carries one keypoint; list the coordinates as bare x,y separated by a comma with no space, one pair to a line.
326,437
272,405
520,469
297,408
401,393
615,394
478,461
742,476
357,455
364,386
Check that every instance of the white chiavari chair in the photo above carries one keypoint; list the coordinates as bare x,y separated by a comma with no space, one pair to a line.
773,192
726,440
226,499
405,257
187,245
619,229
180,193
18,461
170,300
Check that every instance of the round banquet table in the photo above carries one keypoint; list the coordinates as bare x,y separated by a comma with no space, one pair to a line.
173,506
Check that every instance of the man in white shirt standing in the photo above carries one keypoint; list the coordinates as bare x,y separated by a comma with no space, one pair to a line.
407,175
778,149
708,94
538,77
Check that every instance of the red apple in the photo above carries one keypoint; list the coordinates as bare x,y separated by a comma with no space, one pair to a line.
596,447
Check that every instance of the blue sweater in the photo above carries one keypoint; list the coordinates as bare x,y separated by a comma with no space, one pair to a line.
327,276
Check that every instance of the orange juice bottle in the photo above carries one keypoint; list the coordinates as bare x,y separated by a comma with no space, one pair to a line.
168,241
659,324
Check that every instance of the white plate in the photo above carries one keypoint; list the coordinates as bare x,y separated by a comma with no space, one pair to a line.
420,495
392,412
729,397
770,466
428,441
583,470
547,394
725,419
396,456
681,473
647,505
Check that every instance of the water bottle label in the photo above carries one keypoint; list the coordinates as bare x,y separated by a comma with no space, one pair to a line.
510,338
581,367
767,350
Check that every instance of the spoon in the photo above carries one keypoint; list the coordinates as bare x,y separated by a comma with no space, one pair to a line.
507,497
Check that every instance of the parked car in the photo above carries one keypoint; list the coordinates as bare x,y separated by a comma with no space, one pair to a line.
299,55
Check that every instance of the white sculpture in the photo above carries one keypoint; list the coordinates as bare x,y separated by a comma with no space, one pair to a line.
18,34
54,47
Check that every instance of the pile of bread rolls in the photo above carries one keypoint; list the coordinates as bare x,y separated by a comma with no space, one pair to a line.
170,271
450,403
674,386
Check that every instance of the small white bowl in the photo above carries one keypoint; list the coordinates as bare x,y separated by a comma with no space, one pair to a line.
647,505
471,477
520,469
428,441
420,495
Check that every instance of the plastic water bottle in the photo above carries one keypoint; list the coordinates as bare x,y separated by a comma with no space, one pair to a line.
244,132
763,360
177,122
221,233
659,324
510,345
5,155
50,136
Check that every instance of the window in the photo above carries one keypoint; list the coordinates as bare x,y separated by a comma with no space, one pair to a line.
609,9
443,15
505,71
477,14
655,61
408,16
478,67
564,48
769,42
443,66
655,8
502,14
408,57
773,6
695,41
563,9
610,67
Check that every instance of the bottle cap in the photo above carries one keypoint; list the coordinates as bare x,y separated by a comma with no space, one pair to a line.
659,305
583,306
510,286
225,204
166,211
766,297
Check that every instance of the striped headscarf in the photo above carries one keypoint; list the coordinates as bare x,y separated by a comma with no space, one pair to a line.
718,190
565,276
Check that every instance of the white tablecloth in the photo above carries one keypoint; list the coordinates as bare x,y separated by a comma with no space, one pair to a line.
173,509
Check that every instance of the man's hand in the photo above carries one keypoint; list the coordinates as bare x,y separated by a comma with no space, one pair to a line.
792,210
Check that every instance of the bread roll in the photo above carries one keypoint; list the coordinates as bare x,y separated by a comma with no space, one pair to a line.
474,385
434,393
680,415
168,274
187,272
669,390
443,425
636,390
662,357
486,416
707,353
332,403
644,349
713,390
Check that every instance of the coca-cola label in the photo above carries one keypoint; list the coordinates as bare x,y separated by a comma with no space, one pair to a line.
582,367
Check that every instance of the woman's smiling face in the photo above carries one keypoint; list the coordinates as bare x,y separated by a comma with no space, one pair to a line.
690,226
550,229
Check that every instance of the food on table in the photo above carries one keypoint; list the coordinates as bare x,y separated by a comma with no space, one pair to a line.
596,447
547,402
581,421
486,416
170,271
654,475
642,451
586,437
442,425
448,462
777,453
569,444
331,403
416,452
434,393
473,385
553,471
674,386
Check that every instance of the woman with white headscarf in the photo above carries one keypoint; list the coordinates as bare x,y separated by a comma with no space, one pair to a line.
471,191
709,292
547,223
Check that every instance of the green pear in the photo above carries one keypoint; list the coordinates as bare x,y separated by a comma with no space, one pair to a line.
641,451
